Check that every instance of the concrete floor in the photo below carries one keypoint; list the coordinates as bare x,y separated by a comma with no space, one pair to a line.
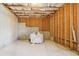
24,48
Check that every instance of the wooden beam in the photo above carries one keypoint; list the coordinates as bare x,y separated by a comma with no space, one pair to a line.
10,10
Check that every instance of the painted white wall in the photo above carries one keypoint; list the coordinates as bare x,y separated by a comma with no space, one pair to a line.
24,31
8,24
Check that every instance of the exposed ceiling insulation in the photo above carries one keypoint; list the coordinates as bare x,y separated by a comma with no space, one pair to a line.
33,9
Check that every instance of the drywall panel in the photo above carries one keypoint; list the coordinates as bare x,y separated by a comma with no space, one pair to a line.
8,24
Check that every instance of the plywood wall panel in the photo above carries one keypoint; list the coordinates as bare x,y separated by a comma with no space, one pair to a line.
75,17
73,44
52,25
61,25
56,26
67,24
42,23
64,19
45,24
75,23
71,24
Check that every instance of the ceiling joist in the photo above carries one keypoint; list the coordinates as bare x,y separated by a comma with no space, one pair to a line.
30,9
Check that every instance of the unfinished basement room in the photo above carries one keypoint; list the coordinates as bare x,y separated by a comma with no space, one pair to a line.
39,29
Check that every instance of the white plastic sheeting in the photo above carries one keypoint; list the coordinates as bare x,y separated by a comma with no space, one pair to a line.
36,38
